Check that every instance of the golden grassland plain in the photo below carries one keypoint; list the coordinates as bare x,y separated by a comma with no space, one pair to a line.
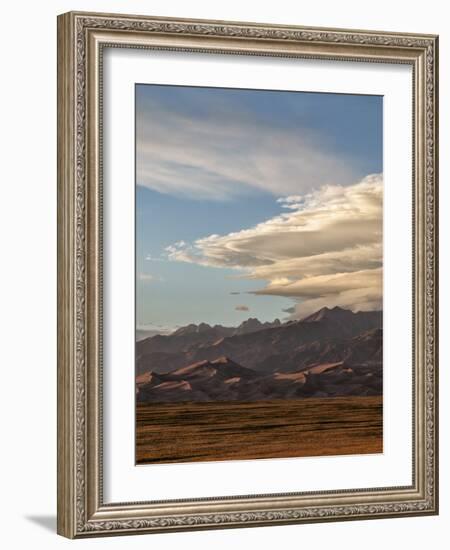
191,432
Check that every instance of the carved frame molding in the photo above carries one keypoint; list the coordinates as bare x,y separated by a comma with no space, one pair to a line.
81,39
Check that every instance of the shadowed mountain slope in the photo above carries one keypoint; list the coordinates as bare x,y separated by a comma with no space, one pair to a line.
327,334
333,352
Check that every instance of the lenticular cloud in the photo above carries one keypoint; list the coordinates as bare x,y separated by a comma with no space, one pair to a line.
324,248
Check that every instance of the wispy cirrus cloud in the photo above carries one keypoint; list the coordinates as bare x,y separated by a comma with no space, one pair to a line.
151,258
230,153
326,249
148,277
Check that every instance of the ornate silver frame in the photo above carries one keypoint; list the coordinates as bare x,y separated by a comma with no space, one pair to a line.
81,39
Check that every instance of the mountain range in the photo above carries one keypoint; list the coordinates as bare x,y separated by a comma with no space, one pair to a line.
333,352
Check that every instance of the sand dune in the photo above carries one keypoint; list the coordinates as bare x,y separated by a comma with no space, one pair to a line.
333,352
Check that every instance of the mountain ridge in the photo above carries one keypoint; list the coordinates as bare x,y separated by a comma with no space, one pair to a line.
332,352
326,335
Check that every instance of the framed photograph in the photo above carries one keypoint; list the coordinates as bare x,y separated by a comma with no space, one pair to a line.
247,288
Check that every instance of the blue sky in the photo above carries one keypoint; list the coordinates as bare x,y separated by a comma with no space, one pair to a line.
217,164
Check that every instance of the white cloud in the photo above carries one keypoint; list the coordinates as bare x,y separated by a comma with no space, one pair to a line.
326,250
144,330
292,202
359,291
150,258
230,154
148,278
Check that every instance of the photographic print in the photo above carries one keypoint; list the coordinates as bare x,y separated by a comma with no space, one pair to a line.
259,274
